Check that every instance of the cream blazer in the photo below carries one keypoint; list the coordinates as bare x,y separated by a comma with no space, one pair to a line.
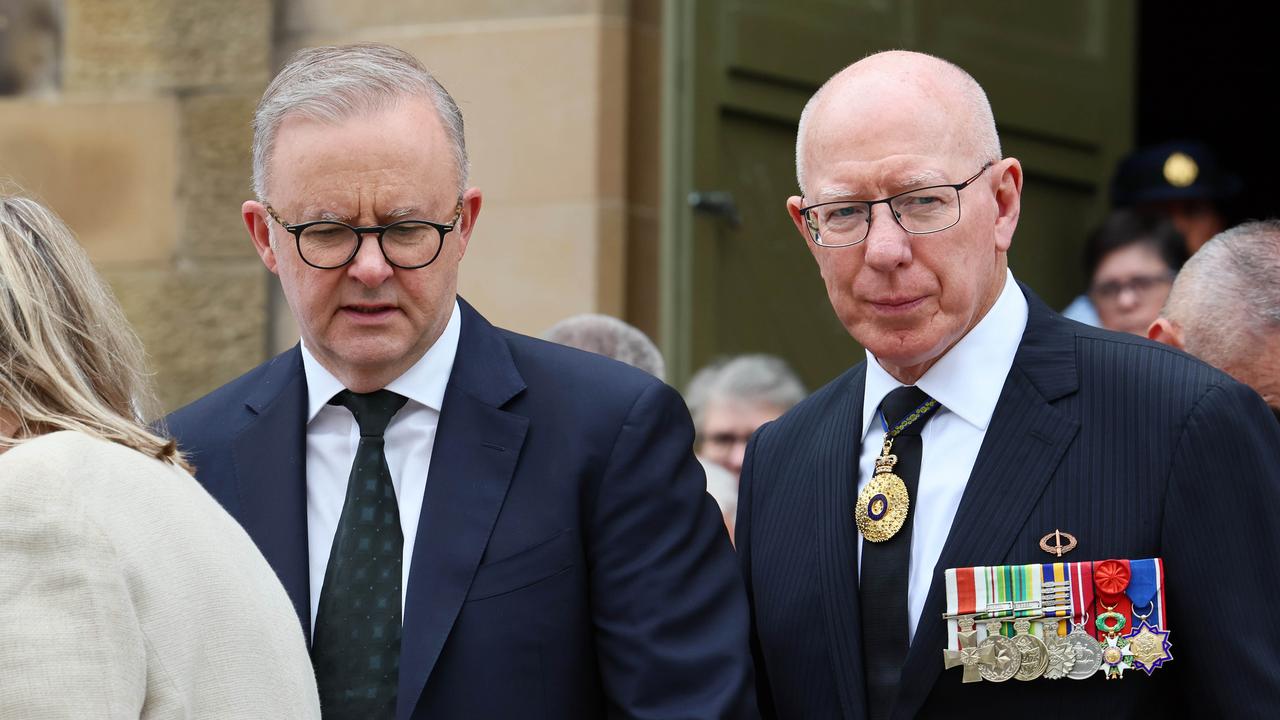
127,592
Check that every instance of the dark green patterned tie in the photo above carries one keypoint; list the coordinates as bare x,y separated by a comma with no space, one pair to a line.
356,646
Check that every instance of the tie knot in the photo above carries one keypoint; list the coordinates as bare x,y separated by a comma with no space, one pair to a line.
373,411
900,403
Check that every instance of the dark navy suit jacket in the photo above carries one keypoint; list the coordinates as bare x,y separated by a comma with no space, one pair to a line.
1136,449
568,564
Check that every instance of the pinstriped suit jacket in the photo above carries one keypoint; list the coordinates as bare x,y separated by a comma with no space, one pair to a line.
1136,449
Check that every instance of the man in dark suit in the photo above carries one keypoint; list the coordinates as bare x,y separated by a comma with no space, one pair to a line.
1005,421
471,523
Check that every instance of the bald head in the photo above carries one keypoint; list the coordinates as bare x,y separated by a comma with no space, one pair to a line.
946,102
1224,306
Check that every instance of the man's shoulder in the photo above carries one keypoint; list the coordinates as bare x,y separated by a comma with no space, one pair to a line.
818,407
1114,359
213,412
550,370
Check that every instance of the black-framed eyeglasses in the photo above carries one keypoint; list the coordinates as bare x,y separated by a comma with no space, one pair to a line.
1141,286
406,244
841,223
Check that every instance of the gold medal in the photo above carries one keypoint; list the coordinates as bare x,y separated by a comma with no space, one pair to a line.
1033,655
1007,658
1150,646
883,502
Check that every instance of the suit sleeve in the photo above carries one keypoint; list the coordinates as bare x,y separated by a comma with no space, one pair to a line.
742,533
70,644
667,599
1221,540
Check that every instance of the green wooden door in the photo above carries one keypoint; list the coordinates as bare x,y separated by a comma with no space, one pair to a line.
736,277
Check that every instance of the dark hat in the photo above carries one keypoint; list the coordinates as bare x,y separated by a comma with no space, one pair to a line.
1182,170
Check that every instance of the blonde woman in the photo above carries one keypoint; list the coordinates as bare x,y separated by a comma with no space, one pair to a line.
125,590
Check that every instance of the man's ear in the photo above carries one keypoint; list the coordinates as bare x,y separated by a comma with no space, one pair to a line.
794,203
258,223
1008,201
472,200
1164,330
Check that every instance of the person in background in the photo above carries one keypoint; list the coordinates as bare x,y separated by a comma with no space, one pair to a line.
608,336
1131,261
1224,307
732,397
1181,180
729,400
125,590
614,338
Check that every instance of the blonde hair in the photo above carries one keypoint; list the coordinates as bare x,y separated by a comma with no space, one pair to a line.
68,357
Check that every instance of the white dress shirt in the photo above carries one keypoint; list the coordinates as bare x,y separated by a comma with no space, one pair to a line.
332,437
966,382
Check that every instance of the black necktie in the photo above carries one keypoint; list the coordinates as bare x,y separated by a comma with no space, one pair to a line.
886,566
356,646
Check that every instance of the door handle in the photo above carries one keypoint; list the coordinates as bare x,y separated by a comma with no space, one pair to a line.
717,203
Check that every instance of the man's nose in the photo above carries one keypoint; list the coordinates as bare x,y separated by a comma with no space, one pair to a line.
370,266
888,246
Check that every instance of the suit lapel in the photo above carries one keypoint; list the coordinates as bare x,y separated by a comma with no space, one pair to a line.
269,454
837,542
1023,445
476,448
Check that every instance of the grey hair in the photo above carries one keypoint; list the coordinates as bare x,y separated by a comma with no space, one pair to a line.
1227,296
611,337
755,379
977,109
334,83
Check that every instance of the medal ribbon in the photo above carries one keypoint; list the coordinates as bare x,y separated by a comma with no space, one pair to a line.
1029,595
1159,613
1111,579
1056,573
962,599
1145,591
925,408
1013,590
1082,595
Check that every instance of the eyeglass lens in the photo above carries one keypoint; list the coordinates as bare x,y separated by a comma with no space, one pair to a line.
405,244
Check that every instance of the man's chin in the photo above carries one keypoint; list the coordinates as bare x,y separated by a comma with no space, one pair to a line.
894,350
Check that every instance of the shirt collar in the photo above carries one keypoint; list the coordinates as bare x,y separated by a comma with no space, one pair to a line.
967,380
424,382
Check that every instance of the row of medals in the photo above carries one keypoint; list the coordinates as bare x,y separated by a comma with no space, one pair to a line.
1026,657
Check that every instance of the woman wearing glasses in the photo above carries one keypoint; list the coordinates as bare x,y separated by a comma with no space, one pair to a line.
125,590
1131,260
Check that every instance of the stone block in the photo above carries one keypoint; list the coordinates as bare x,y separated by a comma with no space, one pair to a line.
202,326
340,16
108,168
215,159
114,45
536,126
530,266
